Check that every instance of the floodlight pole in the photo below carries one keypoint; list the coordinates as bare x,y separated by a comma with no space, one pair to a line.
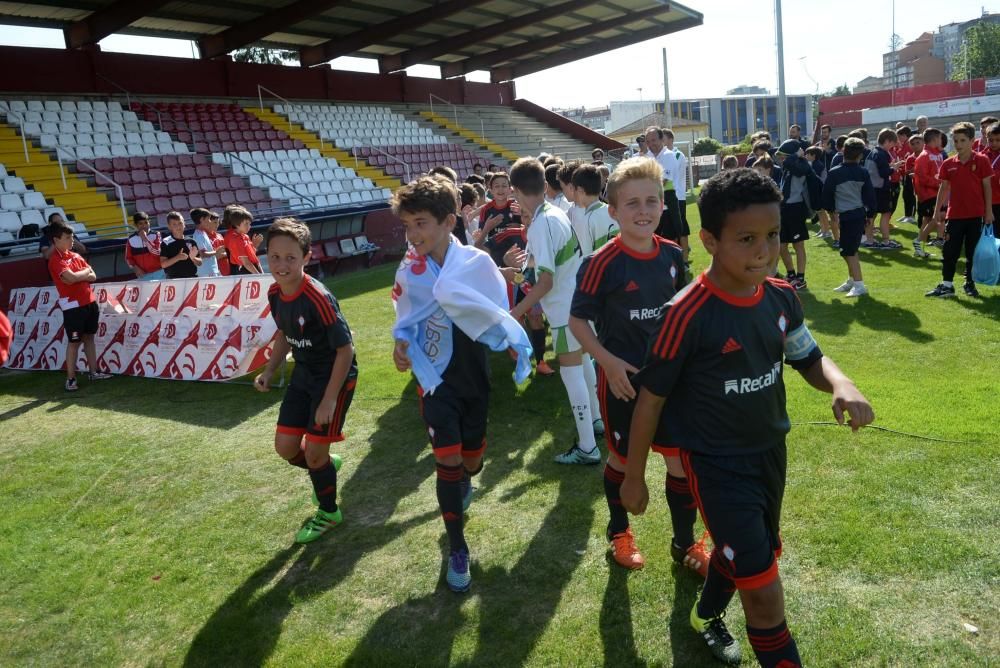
666,92
782,100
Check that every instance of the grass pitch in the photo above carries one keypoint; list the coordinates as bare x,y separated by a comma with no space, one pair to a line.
150,523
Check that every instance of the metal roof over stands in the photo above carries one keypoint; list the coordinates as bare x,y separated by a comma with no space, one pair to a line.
509,39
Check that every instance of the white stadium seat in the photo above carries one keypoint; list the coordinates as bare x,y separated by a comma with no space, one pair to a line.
9,221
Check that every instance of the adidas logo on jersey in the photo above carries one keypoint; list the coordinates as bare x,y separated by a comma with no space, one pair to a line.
644,313
731,346
748,385
632,286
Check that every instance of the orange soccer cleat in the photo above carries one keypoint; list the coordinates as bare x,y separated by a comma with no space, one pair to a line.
625,551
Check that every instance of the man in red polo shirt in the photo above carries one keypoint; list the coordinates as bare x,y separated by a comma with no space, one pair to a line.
72,277
966,178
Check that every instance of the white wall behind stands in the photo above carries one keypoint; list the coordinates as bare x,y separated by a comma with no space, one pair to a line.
974,108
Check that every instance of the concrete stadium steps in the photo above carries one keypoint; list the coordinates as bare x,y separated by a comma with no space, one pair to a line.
469,136
311,140
503,126
85,202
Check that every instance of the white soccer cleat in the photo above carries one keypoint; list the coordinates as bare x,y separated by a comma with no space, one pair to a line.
846,286
857,291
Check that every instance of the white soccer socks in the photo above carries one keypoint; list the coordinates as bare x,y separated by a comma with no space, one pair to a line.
574,378
590,375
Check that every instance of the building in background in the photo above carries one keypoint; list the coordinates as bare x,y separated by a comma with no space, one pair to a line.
948,39
869,85
686,132
596,119
913,65
748,90
729,118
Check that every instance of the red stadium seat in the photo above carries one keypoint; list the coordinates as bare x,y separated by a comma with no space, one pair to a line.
211,136
202,171
227,147
101,165
212,200
137,163
185,160
241,146
122,177
200,159
257,195
169,161
179,203
228,197
197,200
142,191
160,189
243,197
140,176
144,205
188,173
202,147
235,183
221,183
161,204
118,163
207,185
218,170
154,161
192,186
226,136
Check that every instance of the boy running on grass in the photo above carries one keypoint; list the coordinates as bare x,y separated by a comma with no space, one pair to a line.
715,366
621,288
313,411
450,302
555,253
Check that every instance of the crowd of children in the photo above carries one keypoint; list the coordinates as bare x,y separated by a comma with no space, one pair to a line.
853,190
649,356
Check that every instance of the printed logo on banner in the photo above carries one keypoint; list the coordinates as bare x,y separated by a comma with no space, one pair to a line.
184,361
143,361
224,329
110,343
232,300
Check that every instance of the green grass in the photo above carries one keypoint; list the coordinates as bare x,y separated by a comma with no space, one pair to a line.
149,522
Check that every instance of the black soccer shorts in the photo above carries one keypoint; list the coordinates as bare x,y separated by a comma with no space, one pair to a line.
456,424
81,321
739,497
617,416
297,416
793,223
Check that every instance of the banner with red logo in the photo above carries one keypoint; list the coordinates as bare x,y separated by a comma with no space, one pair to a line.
182,329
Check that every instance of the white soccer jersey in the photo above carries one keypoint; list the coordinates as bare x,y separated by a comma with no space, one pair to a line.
668,162
601,227
680,175
553,246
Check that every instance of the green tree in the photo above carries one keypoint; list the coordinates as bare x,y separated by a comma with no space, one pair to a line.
979,56
263,56
840,91
706,146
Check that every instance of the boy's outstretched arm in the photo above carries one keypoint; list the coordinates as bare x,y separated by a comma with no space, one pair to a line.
826,376
645,418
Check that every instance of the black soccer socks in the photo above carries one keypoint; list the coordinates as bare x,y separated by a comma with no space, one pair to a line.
683,510
716,594
299,460
613,492
774,647
538,343
324,480
449,494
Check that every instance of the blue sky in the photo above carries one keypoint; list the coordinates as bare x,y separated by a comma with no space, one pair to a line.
826,44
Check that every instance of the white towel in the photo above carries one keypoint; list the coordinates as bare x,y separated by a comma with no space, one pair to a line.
469,292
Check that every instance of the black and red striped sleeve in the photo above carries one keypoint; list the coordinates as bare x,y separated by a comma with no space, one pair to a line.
674,341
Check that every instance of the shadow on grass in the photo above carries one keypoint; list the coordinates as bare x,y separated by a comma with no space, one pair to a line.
516,603
686,645
835,318
616,620
245,629
187,402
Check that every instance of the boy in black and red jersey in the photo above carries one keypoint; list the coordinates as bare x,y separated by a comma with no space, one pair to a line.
714,373
621,289
501,211
312,413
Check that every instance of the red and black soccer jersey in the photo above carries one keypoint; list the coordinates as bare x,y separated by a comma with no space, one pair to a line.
623,291
510,212
313,325
717,359
501,242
